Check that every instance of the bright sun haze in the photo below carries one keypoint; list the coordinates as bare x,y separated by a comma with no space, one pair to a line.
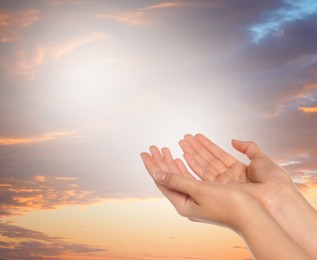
88,85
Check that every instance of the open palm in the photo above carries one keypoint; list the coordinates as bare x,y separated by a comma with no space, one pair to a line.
198,200
262,178
225,183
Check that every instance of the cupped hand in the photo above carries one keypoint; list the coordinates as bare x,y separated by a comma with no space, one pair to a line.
262,178
239,196
198,200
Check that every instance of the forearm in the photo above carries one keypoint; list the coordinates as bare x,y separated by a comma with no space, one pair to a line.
298,218
267,240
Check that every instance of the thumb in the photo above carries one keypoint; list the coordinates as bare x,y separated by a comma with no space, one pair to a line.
177,182
251,149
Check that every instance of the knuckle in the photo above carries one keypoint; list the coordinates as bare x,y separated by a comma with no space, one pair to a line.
200,191
255,147
221,153
212,160
173,181
252,144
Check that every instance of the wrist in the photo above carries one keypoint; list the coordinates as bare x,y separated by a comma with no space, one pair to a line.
289,202
266,239
249,210
297,218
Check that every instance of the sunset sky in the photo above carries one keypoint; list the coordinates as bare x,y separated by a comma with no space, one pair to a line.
86,86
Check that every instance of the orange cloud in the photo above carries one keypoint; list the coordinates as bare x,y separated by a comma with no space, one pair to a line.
310,87
302,94
35,139
60,2
306,181
300,163
28,65
13,24
27,18
165,5
41,192
129,18
60,51
23,243
139,16
308,109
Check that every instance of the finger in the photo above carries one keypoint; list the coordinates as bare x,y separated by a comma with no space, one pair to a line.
150,164
204,173
158,158
204,153
227,159
178,183
187,149
183,169
156,154
168,158
248,148
176,198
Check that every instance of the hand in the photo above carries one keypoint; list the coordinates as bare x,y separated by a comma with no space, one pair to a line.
263,179
213,202
197,200
211,163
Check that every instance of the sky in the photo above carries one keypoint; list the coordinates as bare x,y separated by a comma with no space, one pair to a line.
86,86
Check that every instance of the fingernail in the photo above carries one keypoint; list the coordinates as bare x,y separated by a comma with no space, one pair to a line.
159,176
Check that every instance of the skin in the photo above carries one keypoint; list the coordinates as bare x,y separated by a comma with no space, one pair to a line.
275,190
225,183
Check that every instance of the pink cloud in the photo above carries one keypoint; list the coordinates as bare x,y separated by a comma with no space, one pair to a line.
13,24
41,192
140,16
28,64
297,96
35,139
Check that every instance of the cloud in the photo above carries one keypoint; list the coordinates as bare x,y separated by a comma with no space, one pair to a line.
31,244
25,50
129,18
189,257
35,139
291,11
61,2
165,5
286,124
141,16
290,140
143,257
13,24
302,99
77,171
308,109
19,195
28,63
59,52
287,86
11,231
